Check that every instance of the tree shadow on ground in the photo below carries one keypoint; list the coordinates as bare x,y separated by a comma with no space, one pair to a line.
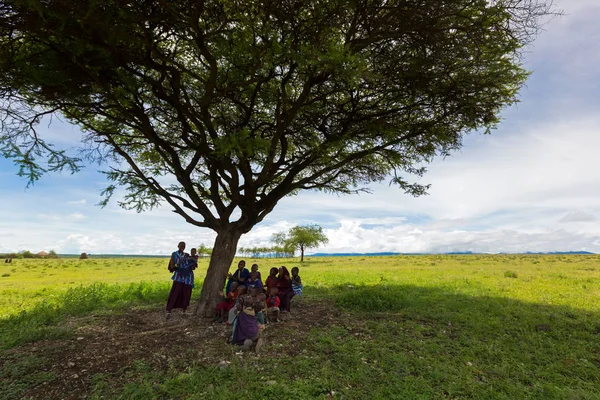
519,349
386,341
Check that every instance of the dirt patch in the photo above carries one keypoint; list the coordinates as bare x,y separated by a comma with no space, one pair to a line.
110,345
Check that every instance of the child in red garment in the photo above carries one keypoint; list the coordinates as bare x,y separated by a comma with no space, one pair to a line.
271,281
227,304
284,284
273,304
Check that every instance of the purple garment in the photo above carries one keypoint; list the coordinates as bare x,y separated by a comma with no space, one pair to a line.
179,297
255,282
246,328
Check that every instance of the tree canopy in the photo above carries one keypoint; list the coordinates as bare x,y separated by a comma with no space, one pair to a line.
221,108
301,238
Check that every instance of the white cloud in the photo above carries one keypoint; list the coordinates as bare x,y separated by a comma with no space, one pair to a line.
77,202
51,217
578,216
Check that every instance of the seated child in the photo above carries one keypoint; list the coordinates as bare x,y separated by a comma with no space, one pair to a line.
271,281
253,292
273,304
296,282
246,332
255,280
260,306
241,290
227,304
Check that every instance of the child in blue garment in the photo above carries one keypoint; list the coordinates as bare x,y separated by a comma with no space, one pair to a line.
240,276
296,281
254,279
260,307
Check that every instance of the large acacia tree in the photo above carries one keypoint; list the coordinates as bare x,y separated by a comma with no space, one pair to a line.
220,108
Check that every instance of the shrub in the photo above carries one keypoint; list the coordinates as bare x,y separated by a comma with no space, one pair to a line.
27,254
510,274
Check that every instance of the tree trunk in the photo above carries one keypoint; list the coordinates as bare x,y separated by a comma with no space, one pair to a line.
220,262
301,253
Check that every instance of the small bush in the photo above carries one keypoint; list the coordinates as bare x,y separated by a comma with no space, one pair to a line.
27,254
510,274
5,275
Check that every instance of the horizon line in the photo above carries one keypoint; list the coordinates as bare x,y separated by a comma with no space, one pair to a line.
383,253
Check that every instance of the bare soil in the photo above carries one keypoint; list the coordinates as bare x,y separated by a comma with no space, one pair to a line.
112,344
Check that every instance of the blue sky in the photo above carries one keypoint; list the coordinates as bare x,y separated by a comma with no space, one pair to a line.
532,185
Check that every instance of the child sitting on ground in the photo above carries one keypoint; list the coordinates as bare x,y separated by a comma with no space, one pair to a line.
271,281
260,306
273,304
255,280
246,332
227,304
296,281
241,290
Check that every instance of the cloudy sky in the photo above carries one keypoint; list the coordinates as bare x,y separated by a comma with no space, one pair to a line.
533,185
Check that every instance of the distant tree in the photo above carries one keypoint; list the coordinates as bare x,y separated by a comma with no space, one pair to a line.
283,245
254,251
283,251
52,254
265,251
27,254
204,250
221,108
301,238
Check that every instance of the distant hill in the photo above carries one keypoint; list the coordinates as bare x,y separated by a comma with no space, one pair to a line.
419,254
383,253
351,254
92,255
561,252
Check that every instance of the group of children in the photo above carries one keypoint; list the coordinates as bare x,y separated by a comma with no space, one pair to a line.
248,304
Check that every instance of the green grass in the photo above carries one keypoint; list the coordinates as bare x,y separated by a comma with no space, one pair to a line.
42,321
460,327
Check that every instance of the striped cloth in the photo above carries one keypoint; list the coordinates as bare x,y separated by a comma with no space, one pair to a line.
185,263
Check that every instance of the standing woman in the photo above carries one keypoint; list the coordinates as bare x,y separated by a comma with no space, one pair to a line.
284,284
182,266
240,276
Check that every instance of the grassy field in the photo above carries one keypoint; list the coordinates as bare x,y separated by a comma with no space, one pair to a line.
447,327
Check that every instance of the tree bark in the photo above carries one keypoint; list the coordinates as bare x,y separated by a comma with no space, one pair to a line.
220,262
301,253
